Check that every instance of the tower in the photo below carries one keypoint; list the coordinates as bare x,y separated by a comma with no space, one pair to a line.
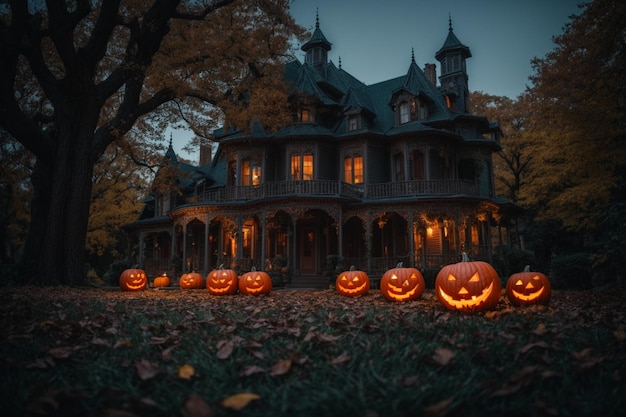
453,79
317,48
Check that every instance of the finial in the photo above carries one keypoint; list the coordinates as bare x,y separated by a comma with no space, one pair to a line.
412,55
317,18
170,139
339,62
449,22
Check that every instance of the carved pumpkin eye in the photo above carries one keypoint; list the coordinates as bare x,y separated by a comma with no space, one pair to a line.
474,278
451,277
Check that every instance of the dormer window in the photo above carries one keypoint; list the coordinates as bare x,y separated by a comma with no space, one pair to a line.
405,112
306,116
354,122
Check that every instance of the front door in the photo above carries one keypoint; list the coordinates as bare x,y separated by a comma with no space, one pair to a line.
307,250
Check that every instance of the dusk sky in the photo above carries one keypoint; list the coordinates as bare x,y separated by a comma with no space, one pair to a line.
374,38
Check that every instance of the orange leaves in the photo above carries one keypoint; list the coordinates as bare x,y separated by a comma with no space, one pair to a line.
239,401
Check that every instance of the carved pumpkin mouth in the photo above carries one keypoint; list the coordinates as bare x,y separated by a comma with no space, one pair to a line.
252,290
360,288
468,301
219,289
528,297
398,293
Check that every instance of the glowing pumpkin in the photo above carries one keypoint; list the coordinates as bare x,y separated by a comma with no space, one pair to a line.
526,288
352,283
133,280
402,284
222,281
255,283
468,286
162,281
191,280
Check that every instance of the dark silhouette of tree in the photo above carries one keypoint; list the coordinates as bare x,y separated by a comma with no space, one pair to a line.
76,76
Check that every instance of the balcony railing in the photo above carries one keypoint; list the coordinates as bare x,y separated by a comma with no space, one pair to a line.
332,188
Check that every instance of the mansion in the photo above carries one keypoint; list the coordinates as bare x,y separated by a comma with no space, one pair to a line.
365,175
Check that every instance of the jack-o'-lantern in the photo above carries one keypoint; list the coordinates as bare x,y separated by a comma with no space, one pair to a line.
161,281
255,282
133,280
402,284
191,280
468,286
527,287
222,281
352,283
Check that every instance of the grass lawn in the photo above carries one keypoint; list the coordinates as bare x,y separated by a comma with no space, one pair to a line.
103,352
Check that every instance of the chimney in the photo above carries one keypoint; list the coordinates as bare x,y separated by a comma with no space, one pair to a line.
205,154
430,71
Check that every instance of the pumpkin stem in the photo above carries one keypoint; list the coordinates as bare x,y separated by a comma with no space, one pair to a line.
352,268
221,266
253,269
399,265
527,268
465,258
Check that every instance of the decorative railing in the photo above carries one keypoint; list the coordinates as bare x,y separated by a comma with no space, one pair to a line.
330,188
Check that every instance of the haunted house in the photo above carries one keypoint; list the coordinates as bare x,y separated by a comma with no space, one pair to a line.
364,176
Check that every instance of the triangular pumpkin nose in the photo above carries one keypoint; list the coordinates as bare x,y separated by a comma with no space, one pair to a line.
529,286
463,291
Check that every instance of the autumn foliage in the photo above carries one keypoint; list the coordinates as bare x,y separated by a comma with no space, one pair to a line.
167,352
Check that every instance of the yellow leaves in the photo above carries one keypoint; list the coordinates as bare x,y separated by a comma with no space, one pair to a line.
281,367
239,401
186,372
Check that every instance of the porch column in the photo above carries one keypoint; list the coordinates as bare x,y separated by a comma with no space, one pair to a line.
368,232
206,243
186,268
172,247
141,248
239,237
340,233
410,230
263,221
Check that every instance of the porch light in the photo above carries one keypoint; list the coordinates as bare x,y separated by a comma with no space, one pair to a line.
429,231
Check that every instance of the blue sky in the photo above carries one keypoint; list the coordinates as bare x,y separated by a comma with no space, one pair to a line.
374,38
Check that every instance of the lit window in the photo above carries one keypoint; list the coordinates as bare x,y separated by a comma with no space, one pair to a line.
302,167
306,116
251,173
353,169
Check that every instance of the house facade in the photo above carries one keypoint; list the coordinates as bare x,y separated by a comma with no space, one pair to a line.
365,176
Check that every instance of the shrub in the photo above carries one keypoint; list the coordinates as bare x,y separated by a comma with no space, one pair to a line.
571,271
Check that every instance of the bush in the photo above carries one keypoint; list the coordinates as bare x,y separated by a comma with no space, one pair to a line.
571,271
112,276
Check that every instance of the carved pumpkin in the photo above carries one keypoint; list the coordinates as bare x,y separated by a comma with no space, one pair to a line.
133,280
402,284
161,281
222,281
526,288
352,283
468,286
191,280
255,283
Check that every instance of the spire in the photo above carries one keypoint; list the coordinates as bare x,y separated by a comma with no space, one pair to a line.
317,47
171,140
412,56
339,62
449,23
317,18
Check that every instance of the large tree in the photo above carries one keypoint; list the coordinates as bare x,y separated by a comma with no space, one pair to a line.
75,76
579,100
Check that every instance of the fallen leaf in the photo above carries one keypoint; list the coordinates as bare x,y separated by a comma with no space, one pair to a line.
438,409
195,406
344,357
146,369
251,370
186,371
281,367
225,349
443,356
61,352
239,401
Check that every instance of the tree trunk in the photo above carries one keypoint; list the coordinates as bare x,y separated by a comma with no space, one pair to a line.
55,247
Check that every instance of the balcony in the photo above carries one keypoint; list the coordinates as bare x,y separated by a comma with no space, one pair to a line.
339,189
